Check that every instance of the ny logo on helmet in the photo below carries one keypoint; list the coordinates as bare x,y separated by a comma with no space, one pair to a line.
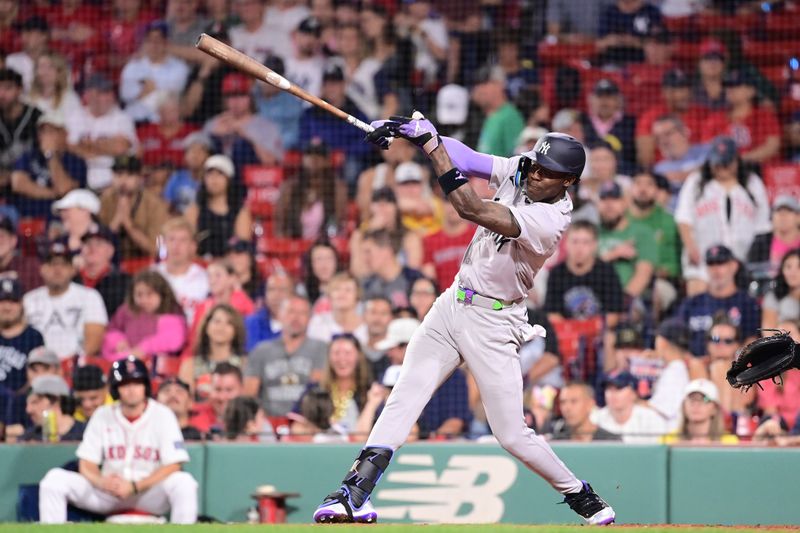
544,148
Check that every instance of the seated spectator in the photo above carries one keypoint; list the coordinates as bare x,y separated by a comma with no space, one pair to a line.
99,131
607,121
46,172
313,205
17,118
278,106
224,288
709,91
164,141
724,340
150,74
420,208
645,209
98,270
572,21
723,296
791,144
783,303
241,256
264,325
630,354
360,70
338,135
49,397
336,403
377,316
242,135
245,421
226,384
769,249
181,188
74,29
133,213
447,413
423,293
384,214
254,35
90,389
78,211
646,78
704,218
676,101
278,370
344,316
754,128
672,347
624,416
390,278
188,280
582,286
72,318
628,245
321,265
156,486
602,165
17,339
781,398
149,324
381,176
539,358
41,362
218,212
13,263
176,395
701,418
680,158
445,248
220,339
516,73
623,23
306,63
503,122
186,22
33,38
576,403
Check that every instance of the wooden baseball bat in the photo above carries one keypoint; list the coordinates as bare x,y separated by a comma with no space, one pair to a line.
248,65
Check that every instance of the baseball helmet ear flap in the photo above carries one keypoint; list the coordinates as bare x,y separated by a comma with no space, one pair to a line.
127,370
523,168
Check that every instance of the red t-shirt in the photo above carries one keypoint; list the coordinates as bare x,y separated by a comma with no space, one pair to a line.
785,400
643,86
446,253
156,148
204,418
123,37
761,124
692,118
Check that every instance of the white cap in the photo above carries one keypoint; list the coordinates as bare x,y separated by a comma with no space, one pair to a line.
704,387
452,105
786,201
391,375
408,171
50,385
528,134
81,198
400,332
220,162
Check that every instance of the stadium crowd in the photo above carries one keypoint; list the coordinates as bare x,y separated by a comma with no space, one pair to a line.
270,266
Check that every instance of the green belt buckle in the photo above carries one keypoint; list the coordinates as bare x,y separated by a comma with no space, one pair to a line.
497,306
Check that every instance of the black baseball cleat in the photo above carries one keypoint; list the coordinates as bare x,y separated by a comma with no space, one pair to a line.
590,506
338,509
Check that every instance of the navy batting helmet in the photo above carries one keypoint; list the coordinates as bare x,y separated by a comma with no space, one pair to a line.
128,370
557,152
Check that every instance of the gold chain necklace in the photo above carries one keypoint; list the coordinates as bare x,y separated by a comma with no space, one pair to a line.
341,400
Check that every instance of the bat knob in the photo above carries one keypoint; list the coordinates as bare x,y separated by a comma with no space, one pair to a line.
416,115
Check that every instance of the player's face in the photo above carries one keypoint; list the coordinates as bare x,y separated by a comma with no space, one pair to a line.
34,405
132,394
543,184
343,358
575,405
323,263
90,400
57,273
220,328
10,313
698,408
146,298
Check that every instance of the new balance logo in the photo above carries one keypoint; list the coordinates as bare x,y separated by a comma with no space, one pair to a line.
544,148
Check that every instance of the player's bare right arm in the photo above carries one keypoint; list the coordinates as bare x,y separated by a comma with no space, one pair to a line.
491,215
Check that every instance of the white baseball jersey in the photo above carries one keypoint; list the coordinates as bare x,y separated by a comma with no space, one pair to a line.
61,319
502,267
190,288
133,450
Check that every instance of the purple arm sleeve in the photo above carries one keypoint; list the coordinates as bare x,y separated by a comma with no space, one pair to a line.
468,161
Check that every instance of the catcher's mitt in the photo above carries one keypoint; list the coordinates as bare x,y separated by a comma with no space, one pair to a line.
764,358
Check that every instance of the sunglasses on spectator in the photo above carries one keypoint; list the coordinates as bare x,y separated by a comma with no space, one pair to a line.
716,339
702,399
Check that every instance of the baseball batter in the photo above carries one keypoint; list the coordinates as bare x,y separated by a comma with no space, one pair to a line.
481,318
130,458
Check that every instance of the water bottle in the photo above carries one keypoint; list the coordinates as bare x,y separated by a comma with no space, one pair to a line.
49,426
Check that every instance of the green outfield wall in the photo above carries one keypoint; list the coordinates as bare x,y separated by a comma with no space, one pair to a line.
444,482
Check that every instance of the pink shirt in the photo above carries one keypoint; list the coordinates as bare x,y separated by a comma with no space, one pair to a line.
779,249
784,400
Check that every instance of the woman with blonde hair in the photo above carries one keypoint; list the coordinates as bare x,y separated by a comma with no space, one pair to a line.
51,90
702,420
